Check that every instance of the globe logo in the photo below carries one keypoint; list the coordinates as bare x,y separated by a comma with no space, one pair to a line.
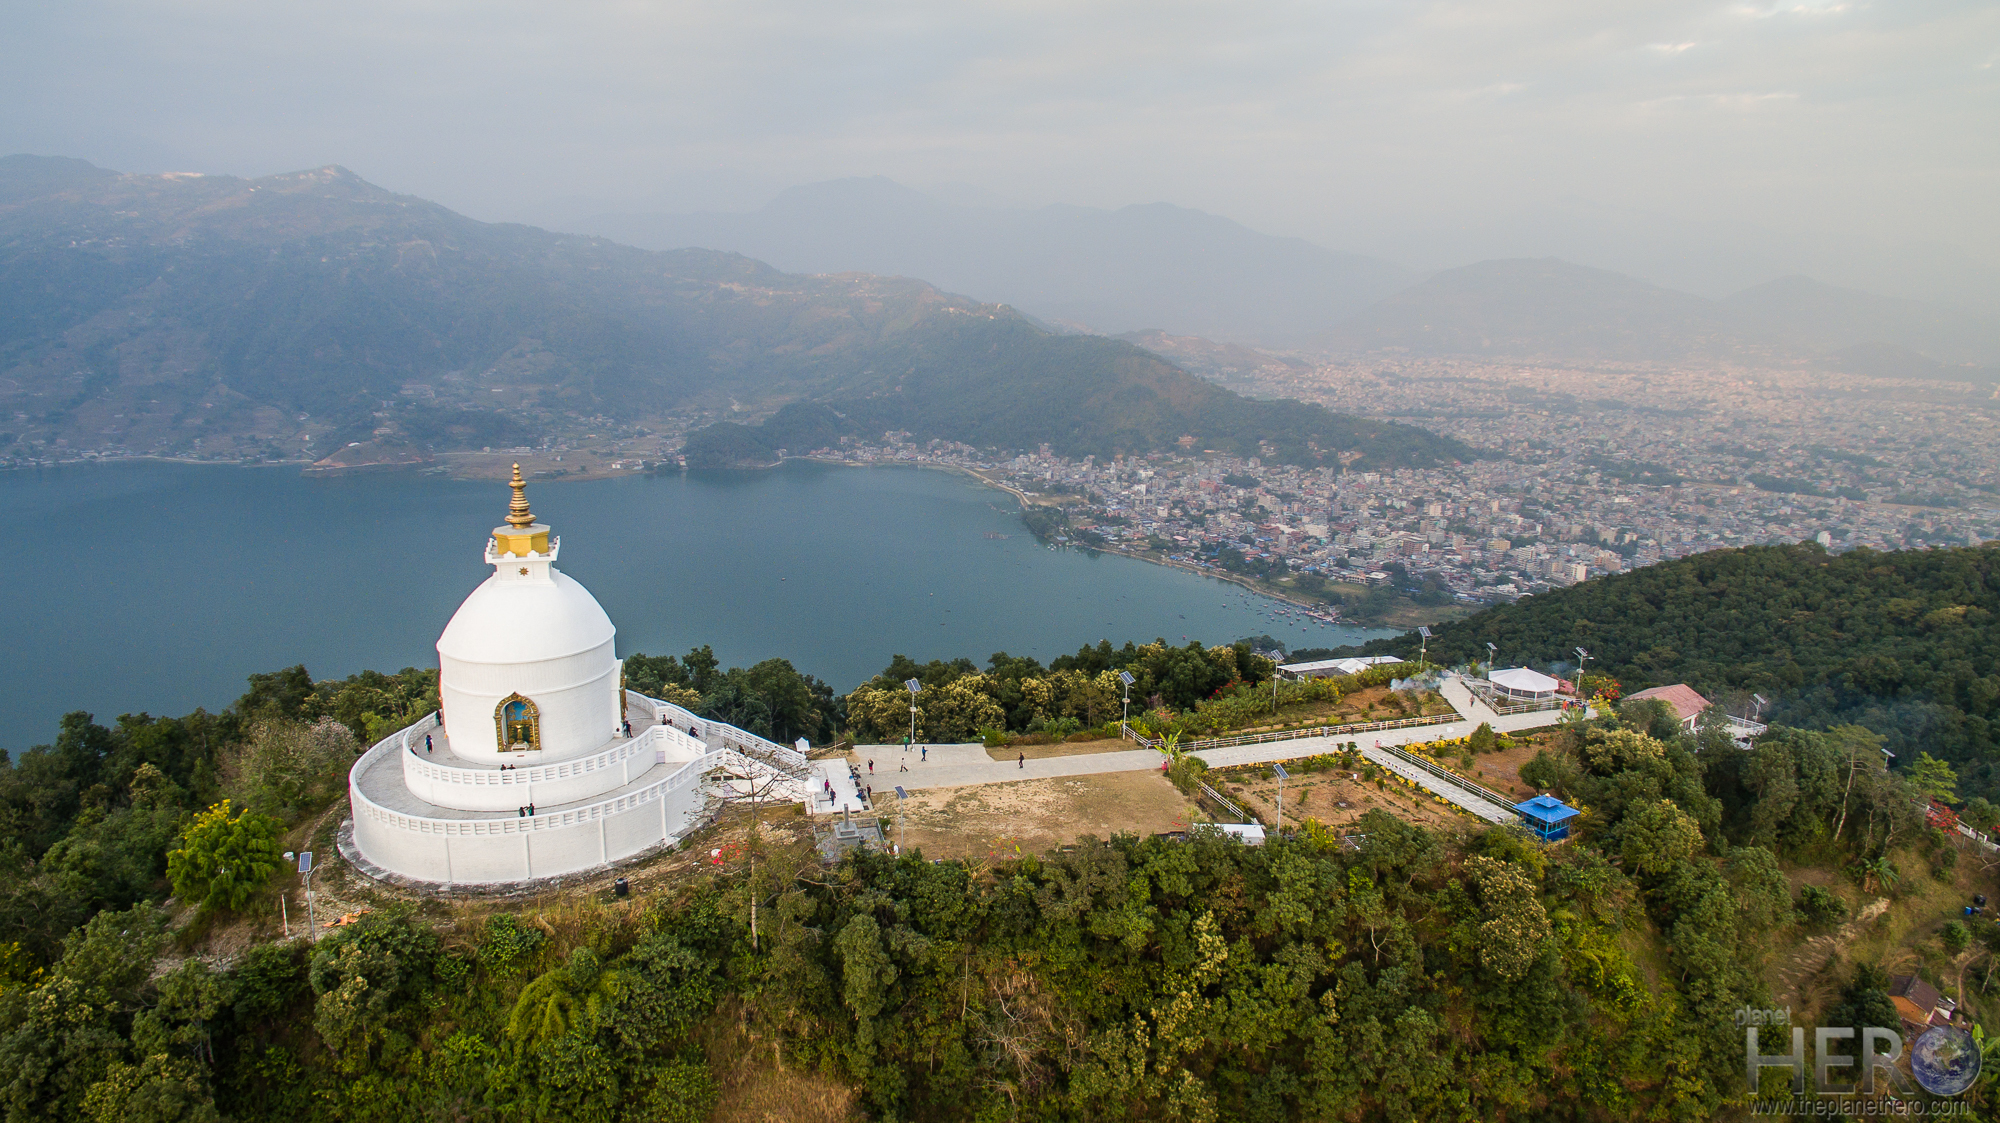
1945,1060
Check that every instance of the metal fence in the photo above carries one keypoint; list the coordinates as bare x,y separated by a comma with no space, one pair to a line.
1292,734
1223,802
1504,803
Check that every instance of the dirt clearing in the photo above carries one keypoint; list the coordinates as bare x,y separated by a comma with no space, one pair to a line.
993,821
1334,798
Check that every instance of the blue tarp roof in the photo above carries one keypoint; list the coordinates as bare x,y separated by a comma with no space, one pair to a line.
1546,808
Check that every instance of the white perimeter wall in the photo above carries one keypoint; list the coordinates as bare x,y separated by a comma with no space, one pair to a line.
468,851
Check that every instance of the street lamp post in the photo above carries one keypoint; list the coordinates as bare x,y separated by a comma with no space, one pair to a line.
1424,647
914,687
1492,659
1282,777
900,797
1125,715
305,860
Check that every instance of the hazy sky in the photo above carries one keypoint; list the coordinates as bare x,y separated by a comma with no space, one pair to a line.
1427,130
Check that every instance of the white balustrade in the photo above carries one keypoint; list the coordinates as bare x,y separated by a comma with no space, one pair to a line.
567,838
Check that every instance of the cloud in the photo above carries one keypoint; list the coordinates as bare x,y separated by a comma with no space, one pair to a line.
1327,119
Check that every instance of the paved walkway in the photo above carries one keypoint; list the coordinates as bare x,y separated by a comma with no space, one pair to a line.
955,766
952,766
846,794
1471,801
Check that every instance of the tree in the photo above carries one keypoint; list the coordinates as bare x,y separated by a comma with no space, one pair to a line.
1519,928
223,858
1482,739
289,767
1658,837
1934,778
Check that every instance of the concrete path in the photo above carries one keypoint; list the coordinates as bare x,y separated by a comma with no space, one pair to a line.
846,796
955,766
1477,804
952,766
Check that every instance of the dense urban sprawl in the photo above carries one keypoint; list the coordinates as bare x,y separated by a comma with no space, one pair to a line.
1596,471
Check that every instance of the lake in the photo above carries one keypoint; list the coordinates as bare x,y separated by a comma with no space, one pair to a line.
159,587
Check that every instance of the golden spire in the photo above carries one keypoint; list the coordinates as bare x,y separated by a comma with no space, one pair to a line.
517,511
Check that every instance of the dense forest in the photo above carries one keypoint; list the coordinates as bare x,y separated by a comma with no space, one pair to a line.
1398,974
1901,643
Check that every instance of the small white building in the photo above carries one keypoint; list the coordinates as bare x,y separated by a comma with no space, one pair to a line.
539,763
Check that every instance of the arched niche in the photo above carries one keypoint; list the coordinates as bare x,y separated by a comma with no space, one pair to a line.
517,724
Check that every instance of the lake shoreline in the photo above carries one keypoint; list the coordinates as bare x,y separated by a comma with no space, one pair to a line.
1027,500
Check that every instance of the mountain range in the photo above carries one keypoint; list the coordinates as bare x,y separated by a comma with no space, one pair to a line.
1103,271
300,312
1180,272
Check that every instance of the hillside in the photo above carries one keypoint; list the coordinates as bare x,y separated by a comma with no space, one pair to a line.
1109,271
1378,969
1004,384
297,313
1905,644
1551,308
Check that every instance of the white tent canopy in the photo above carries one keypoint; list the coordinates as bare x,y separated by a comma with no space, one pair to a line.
1321,668
1522,681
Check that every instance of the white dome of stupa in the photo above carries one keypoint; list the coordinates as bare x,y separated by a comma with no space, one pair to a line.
527,667
521,621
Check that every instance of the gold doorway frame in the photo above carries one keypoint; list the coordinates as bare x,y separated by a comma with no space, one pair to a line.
531,716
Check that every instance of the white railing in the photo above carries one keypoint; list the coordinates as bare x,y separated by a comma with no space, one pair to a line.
681,777
640,745
498,824
1224,802
1490,697
430,720
782,757
686,774
1504,803
1294,734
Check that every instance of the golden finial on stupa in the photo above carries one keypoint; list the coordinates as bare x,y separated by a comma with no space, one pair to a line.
517,511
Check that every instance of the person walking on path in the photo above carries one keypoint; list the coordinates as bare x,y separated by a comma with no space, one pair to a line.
427,742
926,752
904,767
871,766
1022,762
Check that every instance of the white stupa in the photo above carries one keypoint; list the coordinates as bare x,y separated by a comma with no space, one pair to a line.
539,762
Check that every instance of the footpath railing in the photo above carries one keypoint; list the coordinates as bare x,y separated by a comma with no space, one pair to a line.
1223,802
1293,734
781,757
1504,803
429,721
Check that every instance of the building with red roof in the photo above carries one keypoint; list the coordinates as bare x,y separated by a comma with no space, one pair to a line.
1688,704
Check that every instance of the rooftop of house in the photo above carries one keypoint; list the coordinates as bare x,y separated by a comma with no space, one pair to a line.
1916,991
1687,703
